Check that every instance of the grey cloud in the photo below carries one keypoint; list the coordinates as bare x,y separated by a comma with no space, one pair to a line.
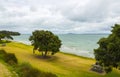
59,16
94,11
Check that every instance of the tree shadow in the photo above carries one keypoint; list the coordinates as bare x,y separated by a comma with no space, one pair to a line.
47,58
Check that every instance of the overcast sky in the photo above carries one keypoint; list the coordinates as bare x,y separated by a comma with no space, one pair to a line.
59,16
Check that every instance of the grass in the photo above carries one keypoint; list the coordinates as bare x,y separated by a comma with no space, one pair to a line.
61,64
5,70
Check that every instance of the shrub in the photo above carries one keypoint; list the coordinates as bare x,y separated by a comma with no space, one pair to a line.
2,54
10,58
26,70
108,69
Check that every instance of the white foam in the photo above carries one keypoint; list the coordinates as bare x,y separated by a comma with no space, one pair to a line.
76,51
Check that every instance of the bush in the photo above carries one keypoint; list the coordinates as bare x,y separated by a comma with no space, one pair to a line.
108,69
26,70
10,58
2,54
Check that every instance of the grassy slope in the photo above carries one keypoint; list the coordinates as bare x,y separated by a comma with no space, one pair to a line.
64,65
4,72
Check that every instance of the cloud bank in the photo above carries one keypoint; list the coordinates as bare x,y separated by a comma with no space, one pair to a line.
59,16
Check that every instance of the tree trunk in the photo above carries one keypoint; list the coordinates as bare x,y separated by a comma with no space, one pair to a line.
45,54
42,53
33,51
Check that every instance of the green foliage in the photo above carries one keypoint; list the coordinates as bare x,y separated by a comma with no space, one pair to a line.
8,34
2,54
108,52
45,41
9,58
108,69
26,70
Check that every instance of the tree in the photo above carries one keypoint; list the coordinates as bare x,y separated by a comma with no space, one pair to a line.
8,34
45,41
108,52
1,36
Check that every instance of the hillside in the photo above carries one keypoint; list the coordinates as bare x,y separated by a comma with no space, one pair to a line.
61,64
4,72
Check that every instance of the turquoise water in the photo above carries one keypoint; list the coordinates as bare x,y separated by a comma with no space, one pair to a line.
79,44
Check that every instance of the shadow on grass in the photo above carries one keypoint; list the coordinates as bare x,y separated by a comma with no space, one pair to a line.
47,58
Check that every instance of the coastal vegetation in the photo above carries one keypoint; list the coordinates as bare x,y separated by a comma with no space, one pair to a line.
108,52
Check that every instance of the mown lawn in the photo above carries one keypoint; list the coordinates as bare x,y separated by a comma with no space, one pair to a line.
63,65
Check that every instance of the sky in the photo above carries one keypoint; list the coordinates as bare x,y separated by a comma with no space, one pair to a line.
59,16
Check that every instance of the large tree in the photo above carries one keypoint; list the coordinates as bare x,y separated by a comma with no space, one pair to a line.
45,41
108,52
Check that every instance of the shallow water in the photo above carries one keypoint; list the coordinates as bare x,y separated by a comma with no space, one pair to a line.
79,44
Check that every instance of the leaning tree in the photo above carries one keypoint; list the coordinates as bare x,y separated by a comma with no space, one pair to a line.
44,42
108,52
8,34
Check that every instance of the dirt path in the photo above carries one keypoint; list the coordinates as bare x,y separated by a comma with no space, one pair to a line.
4,72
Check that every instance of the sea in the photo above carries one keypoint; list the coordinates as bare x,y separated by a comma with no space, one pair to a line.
78,44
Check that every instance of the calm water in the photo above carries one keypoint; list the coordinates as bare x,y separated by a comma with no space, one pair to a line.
78,44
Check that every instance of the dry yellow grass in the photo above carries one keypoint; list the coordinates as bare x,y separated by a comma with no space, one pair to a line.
4,72
63,65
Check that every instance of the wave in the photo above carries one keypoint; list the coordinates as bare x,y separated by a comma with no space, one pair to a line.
76,51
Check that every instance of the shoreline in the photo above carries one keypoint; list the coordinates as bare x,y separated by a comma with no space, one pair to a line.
81,46
62,64
59,52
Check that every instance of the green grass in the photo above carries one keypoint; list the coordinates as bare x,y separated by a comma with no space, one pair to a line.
61,64
5,70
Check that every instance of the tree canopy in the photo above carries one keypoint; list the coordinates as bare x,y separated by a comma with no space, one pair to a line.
8,34
45,41
108,52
